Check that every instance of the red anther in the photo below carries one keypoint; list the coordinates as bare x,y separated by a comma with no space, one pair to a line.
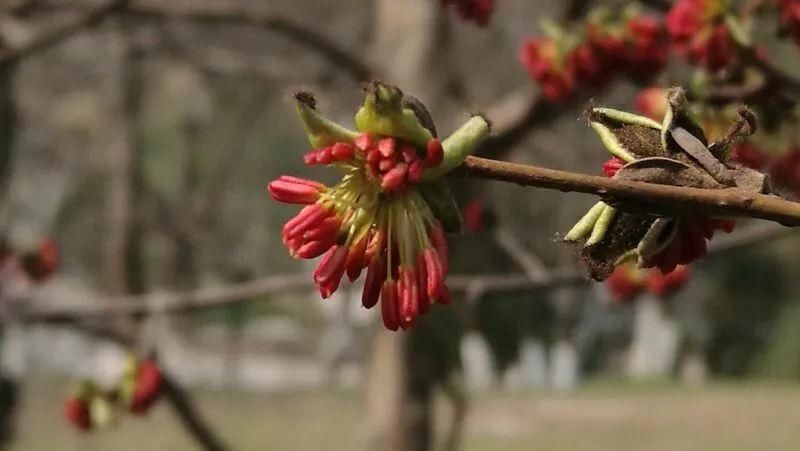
409,153
386,147
445,297
389,308
409,297
376,244
434,274
363,141
331,265
343,152
376,274
355,258
373,156
415,171
440,244
435,154
328,231
312,249
611,166
310,158
324,156
309,217
393,180
386,164
422,284
291,192
314,183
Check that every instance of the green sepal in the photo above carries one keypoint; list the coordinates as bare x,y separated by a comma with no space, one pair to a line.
625,135
601,226
383,113
739,31
321,131
585,225
443,205
459,145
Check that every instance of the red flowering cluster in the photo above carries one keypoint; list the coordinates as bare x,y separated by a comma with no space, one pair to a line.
652,102
636,48
749,155
689,241
628,281
790,18
479,11
355,227
90,408
785,171
545,64
699,32
36,264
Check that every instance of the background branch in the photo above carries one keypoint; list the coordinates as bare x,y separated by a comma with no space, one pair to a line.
57,34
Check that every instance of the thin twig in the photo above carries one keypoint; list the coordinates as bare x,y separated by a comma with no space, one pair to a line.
230,14
655,198
58,34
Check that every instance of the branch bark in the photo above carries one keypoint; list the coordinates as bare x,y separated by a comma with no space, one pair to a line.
645,196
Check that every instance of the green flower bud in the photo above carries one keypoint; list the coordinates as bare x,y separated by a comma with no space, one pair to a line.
460,144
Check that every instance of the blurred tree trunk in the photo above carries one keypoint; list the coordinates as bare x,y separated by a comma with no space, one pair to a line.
123,266
9,386
8,123
399,382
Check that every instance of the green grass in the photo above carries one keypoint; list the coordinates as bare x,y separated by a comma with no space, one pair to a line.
603,416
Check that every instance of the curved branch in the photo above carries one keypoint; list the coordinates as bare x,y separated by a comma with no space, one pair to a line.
653,197
57,34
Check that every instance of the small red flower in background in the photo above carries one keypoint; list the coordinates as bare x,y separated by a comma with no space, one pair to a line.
554,73
479,11
790,18
42,262
749,155
698,31
652,102
147,388
625,283
689,243
475,216
76,412
662,285
785,171
647,49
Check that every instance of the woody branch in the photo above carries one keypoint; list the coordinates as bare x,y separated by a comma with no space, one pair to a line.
654,198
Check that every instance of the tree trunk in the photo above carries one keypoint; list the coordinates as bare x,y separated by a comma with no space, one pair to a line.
399,381
123,260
